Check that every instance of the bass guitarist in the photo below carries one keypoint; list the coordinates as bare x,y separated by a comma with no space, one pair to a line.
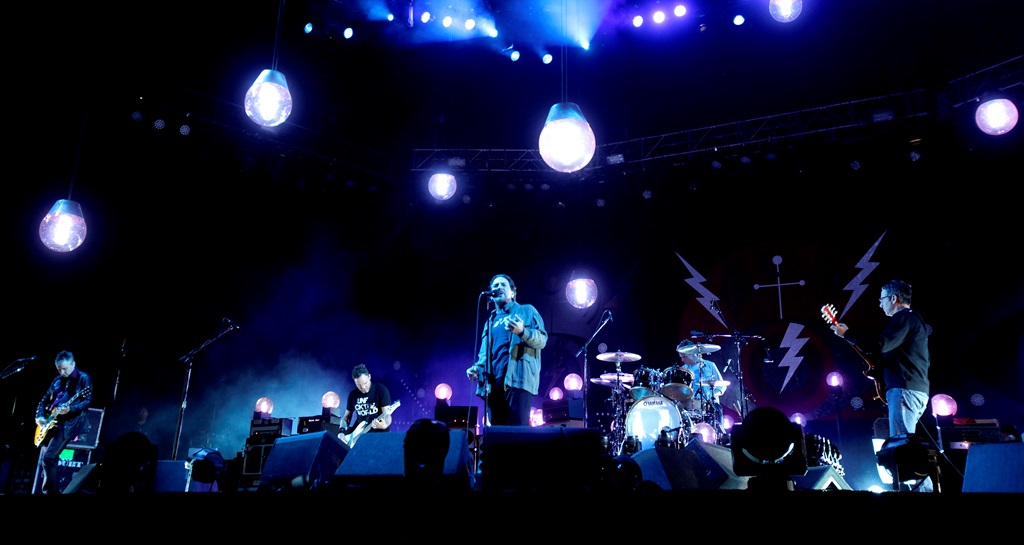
366,403
905,360
63,410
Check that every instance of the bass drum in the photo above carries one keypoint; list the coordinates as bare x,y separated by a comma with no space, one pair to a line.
648,417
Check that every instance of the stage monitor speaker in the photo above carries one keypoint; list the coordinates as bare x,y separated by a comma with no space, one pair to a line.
378,461
303,462
540,459
994,467
85,481
821,478
717,463
670,468
170,476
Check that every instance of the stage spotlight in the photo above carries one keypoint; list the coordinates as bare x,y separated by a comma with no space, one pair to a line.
769,448
908,458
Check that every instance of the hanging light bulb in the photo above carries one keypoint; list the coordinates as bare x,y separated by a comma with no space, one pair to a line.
567,142
581,292
268,102
996,115
442,185
63,228
785,11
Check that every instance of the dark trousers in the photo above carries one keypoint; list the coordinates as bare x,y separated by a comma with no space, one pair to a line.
509,407
56,443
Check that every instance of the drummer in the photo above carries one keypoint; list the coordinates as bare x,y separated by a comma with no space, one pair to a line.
708,385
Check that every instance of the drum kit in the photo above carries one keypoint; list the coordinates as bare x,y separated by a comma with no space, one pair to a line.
652,406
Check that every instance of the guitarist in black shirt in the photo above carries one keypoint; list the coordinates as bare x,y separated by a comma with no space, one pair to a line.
366,403
61,415
904,364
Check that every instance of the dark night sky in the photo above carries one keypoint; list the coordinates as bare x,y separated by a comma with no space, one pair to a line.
325,266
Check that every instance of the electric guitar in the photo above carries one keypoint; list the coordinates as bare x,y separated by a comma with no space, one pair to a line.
828,312
51,420
350,439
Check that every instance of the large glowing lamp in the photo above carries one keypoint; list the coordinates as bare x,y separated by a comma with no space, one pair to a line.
785,11
567,142
63,227
996,116
268,102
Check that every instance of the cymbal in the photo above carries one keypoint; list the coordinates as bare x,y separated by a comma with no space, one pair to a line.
700,349
610,383
623,377
714,383
619,357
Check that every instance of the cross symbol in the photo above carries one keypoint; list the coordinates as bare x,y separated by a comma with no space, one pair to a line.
777,260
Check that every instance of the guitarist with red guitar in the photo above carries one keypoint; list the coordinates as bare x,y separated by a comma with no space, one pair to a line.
904,362
61,415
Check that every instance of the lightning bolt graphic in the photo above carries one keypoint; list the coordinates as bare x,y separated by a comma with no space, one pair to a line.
857,285
791,359
706,296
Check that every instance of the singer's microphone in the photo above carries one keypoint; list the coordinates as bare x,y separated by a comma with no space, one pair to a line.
493,293
231,325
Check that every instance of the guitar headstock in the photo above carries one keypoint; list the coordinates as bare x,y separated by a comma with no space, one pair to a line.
828,313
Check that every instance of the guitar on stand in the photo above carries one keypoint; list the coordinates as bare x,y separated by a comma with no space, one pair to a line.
828,313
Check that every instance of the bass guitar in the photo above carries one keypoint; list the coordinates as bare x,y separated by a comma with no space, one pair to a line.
828,312
350,439
51,420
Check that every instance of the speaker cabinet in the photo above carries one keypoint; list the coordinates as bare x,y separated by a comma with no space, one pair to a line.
670,468
303,462
378,461
994,467
540,459
699,466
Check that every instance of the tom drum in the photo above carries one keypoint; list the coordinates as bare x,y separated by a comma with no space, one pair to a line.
677,383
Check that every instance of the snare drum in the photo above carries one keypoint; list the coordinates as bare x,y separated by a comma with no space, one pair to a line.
677,383
645,382
649,416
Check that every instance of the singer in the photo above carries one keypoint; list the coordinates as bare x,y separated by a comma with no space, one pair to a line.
507,368
61,415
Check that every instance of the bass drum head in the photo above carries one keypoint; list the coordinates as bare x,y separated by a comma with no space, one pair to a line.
649,416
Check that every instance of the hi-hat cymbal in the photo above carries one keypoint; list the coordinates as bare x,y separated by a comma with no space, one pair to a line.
714,383
626,357
622,377
699,349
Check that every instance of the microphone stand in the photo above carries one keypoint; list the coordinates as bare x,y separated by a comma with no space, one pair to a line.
188,359
739,341
586,373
